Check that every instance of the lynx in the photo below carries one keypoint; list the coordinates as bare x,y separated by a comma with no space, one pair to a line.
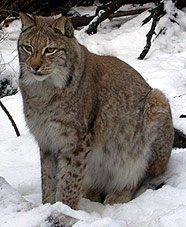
100,127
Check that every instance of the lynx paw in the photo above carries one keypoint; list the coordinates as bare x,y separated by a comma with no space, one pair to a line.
118,197
92,195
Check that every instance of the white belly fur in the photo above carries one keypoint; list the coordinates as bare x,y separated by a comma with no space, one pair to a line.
113,172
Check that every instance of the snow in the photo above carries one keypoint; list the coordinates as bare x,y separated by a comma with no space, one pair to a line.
165,68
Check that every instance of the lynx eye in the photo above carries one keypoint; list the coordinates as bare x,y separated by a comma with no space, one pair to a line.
27,48
50,50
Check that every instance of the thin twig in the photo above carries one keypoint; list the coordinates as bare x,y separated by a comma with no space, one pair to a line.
10,118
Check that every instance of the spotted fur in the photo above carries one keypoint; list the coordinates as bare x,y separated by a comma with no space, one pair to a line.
100,127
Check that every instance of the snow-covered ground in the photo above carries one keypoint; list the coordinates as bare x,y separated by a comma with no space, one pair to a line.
165,68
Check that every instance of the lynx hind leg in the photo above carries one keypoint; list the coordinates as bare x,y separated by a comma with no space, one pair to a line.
158,130
158,135
120,197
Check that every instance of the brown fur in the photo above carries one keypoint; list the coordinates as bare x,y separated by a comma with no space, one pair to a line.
100,127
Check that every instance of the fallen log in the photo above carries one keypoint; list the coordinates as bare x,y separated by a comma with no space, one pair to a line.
79,21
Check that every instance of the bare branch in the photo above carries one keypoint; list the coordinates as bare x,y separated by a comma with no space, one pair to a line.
156,14
10,118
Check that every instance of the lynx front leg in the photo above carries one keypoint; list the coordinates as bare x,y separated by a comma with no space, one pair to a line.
48,173
71,171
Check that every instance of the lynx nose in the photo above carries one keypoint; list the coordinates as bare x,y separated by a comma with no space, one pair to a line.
35,67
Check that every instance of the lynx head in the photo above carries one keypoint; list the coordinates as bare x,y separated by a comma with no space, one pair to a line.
47,50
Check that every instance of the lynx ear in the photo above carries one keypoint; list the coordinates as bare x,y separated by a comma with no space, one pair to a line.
64,25
27,21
